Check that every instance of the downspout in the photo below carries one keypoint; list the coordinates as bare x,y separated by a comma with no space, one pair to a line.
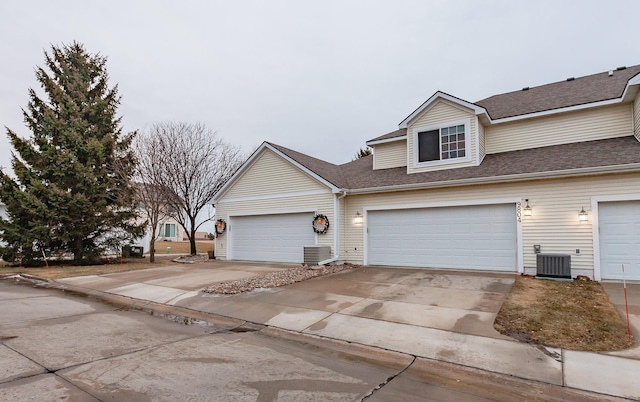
336,229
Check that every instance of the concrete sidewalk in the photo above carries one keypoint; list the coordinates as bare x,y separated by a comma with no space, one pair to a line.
441,315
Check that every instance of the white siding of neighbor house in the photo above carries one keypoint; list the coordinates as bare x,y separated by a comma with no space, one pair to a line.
636,117
441,112
390,155
565,128
271,174
554,222
268,186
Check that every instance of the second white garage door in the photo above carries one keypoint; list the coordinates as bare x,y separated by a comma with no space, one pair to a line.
479,237
275,238
619,239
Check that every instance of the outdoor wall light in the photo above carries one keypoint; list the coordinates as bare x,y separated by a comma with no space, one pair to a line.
357,219
583,215
527,208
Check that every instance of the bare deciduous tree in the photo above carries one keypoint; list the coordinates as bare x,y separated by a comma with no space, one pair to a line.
194,164
148,188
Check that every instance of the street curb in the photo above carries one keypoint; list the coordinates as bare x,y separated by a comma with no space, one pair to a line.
225,323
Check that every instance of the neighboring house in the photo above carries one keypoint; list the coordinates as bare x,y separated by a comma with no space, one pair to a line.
168,228
199,236
449,188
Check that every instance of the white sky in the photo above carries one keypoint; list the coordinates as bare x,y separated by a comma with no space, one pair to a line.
319,77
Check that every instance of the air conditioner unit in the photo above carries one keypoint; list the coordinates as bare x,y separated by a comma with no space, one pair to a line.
314,254
553,266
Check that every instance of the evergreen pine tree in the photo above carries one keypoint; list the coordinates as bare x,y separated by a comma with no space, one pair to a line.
72,188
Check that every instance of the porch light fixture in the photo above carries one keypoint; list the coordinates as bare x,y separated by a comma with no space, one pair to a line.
527,208
583,215
358,218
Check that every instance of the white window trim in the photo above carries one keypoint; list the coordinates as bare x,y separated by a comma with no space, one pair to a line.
467,139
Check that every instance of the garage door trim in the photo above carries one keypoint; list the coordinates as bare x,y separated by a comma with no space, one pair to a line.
595,201
271,212
462,203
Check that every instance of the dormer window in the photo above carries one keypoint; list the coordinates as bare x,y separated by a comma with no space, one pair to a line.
446,143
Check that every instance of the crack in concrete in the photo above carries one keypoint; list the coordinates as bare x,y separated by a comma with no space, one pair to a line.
388,380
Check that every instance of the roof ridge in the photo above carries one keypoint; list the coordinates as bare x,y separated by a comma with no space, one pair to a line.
569,79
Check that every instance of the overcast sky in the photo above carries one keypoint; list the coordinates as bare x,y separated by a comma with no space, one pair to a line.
320,77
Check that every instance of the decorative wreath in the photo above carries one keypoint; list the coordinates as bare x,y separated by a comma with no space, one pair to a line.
320,224
221,226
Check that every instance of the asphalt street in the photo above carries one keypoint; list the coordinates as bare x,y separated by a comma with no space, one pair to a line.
60,346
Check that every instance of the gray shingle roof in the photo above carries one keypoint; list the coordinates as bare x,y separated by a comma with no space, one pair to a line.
580,91
359,174
398,133
328,171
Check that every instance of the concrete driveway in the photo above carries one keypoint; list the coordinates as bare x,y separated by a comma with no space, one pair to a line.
171,283
449,300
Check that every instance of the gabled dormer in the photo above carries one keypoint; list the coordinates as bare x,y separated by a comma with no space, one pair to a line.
443,133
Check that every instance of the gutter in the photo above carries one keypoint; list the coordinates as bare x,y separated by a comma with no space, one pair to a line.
628,168
336,234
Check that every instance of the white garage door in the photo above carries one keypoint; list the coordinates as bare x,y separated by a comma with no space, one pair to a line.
276,238
619,239
471,237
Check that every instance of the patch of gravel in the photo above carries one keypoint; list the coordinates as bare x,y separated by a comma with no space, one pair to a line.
191,259
276,279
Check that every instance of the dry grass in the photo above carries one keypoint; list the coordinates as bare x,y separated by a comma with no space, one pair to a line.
66,271
571,315
181,247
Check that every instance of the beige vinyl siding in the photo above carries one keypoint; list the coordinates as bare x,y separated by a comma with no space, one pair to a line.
270,174
441,112
636,117
481,143
584,125
554,222
319,203
390,155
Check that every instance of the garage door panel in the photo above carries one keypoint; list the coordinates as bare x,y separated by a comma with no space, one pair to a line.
619,224
473,237
274,238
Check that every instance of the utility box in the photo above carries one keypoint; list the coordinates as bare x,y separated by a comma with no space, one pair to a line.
314,254
137,251
132,252
553,266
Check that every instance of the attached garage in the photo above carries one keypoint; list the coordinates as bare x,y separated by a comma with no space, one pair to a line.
481,237
619,224
273,238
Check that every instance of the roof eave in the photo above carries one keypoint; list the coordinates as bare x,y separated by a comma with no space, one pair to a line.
478,110
386,140
556,174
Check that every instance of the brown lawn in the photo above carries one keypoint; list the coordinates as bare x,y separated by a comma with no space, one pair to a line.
60,270
65,271
181,247
571,315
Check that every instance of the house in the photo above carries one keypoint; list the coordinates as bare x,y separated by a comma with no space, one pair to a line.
168,230
487,185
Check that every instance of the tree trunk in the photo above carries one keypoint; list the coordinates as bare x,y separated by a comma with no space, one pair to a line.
152,250
192,238
77,250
